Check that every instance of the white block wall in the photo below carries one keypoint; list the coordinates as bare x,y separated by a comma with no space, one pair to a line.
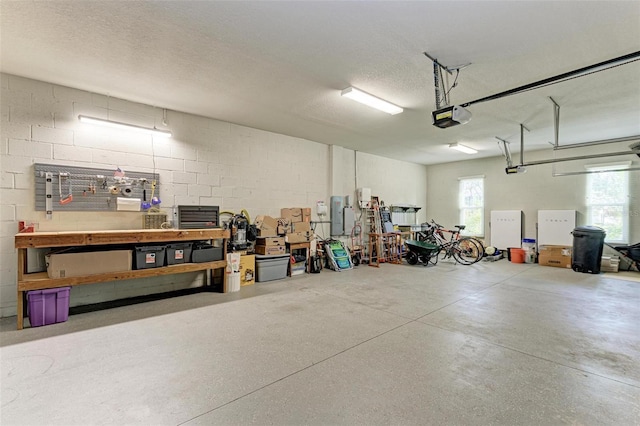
534,190
206,162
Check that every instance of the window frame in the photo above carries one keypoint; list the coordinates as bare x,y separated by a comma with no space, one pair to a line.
462,207
594,170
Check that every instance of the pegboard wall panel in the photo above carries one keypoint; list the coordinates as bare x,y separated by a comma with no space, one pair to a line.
68,188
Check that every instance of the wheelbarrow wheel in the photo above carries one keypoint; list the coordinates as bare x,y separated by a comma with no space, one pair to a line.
412,258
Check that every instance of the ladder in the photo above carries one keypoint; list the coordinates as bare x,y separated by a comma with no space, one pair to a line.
374,226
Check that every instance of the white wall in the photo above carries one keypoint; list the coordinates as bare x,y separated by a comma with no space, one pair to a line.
207,162
393,181
534,190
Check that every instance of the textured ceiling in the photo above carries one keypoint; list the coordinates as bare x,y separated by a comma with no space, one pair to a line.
280,66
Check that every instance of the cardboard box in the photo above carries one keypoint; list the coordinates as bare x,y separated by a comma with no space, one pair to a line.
271,250
284,229
306,215
294,214
298,237
557,256
66,264
302,227
270,241
266,226
267,233
247,269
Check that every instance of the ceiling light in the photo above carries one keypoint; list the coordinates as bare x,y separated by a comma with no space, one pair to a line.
370,100
116,124
463,148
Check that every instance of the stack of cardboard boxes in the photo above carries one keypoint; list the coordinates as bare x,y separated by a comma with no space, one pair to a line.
294,226
297,222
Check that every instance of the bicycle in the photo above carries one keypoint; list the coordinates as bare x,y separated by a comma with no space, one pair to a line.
464,250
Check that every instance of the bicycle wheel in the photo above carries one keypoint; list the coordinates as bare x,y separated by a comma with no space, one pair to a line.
466,251
480,245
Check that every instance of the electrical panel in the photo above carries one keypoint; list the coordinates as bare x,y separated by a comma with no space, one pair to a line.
349,220
337,218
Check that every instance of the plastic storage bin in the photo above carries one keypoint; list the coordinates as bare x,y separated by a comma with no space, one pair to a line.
205,252
178,253
269,268
48,306
588,242
149,257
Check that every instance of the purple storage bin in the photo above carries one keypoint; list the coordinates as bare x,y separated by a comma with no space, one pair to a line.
48,306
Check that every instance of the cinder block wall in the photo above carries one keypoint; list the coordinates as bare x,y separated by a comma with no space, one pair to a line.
206,162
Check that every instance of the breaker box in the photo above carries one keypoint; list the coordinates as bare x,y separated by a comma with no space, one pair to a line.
349,221
336,215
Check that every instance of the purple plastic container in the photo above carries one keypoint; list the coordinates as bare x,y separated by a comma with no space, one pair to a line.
48,306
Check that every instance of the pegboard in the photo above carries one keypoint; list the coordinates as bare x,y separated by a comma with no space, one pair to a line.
91,189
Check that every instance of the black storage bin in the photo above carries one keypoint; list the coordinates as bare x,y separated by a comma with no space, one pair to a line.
178,253
588,242
205,252
148,257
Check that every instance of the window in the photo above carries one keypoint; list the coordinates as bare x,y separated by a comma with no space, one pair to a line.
471,204
608,200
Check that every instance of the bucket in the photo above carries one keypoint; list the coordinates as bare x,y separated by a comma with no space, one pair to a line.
233,282
517,255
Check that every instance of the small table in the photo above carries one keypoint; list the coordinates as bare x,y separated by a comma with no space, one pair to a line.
291,247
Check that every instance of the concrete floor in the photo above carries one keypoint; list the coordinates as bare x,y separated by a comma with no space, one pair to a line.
492,343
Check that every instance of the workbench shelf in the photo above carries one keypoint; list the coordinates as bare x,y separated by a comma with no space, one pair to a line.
40,280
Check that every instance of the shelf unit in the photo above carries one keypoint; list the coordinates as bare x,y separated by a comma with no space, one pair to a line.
40,280
291,247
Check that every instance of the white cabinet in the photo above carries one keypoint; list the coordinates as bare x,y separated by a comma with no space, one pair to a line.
506,228
555,227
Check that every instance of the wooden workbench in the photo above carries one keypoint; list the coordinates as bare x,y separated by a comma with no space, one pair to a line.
40,280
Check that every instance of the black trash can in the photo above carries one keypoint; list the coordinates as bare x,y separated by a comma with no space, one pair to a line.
588,242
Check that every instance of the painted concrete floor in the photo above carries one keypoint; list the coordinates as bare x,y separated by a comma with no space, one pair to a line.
492,343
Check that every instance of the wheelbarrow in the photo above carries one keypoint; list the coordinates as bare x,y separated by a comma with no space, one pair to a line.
421,251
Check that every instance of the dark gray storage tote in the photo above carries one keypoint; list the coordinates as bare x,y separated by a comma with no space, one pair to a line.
178,253
205,252
588,242
148,257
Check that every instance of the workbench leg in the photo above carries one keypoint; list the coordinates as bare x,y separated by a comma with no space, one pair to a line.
22,267
20,309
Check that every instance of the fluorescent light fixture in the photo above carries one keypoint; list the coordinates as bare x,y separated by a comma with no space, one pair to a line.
463,148
118,125
370,100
